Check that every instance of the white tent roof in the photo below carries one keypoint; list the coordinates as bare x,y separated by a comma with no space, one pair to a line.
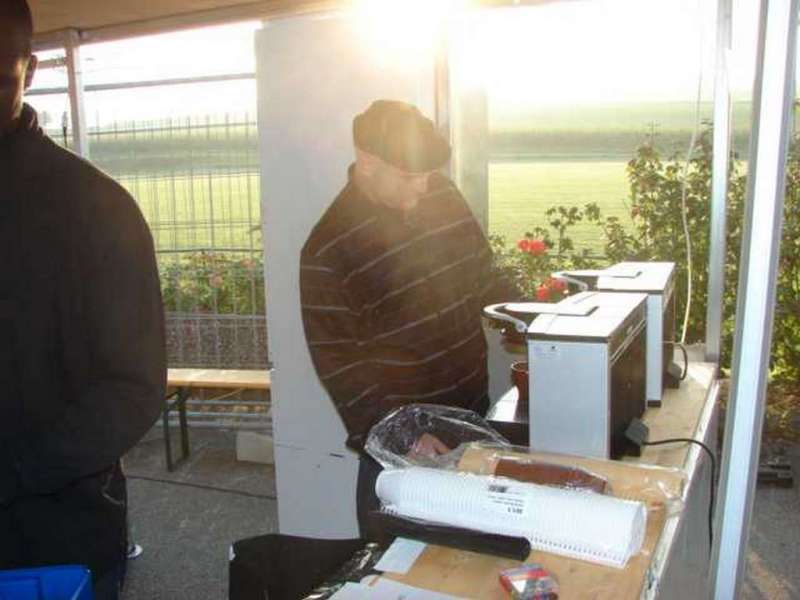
103,19
98,20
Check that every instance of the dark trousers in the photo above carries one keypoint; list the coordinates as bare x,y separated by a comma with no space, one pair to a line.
284,567
109,585
82,524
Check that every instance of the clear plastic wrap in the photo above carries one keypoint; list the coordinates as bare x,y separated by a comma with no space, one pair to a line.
657,486
595,510
360,565
410,436
392,443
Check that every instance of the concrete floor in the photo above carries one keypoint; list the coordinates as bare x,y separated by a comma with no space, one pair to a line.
187,520
773,561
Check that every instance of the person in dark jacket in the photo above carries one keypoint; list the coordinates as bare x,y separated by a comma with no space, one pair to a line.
393,279
82,353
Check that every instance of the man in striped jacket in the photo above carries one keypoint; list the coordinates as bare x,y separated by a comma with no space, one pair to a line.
393,278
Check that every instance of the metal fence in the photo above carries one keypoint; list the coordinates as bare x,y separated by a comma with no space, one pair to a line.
197,182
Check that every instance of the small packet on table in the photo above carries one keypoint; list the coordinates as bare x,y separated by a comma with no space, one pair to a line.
529,582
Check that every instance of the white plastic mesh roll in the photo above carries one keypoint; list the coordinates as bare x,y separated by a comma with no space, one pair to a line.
572,523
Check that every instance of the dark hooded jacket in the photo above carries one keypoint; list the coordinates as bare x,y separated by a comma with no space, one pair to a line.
82,359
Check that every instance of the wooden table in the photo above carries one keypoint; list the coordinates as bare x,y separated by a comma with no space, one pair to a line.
676,545
180,383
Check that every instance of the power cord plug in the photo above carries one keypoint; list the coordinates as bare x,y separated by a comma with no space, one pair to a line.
638,433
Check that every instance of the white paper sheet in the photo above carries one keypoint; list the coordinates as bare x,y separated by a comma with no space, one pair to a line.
400,556
386,589
352,591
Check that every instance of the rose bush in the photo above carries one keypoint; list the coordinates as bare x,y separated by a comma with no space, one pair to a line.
213,283
531,262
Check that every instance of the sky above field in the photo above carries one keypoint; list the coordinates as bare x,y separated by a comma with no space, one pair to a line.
576,52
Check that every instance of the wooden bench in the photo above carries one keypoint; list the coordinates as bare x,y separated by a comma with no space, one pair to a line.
180,383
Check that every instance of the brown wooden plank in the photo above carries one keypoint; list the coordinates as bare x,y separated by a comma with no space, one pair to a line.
251,379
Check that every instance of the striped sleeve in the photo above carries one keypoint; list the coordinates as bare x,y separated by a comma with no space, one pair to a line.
334,326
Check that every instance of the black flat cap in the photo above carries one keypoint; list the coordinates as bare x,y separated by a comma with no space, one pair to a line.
401,135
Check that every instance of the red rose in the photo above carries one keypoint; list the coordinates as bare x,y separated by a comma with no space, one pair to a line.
558,284
524,245
537,247
543,293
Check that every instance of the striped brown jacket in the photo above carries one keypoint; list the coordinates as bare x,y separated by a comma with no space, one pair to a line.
391,305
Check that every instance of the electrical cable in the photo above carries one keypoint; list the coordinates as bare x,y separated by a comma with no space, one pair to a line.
684,211
713,478
685,371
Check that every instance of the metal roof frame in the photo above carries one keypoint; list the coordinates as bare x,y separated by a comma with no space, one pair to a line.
148,18
162,22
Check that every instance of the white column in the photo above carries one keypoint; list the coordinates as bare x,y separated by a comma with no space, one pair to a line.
772,101
719,184
469,119
314,75
80,137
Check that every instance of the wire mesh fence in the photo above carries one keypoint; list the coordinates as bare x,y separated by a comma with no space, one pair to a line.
197,181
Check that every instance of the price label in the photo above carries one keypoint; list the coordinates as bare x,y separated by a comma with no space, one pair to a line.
507,500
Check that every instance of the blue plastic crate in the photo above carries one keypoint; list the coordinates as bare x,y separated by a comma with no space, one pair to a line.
47,583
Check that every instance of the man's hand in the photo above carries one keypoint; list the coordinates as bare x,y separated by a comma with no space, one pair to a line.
428,446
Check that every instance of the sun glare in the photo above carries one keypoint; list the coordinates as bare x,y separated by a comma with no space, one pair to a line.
404,30
590,52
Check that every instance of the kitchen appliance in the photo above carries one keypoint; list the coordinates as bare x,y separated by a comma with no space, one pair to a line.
586,357
657,280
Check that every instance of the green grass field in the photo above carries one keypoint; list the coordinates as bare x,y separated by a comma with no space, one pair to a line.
220,210
521,192
663,116
198,182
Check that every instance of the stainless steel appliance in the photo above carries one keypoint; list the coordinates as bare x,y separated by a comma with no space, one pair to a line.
586,358
657,280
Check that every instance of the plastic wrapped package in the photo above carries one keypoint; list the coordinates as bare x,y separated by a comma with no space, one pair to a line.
574,523
589,509
659,487
393,441
525,468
